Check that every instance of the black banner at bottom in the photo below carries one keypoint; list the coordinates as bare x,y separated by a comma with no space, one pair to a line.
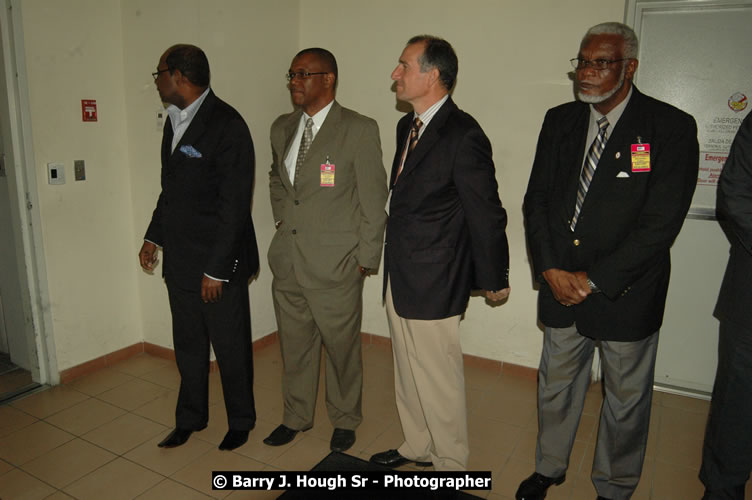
331,481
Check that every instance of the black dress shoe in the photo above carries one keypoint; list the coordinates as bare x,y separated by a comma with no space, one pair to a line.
602,498
392,458
177,437
281,435
342,440
534,487
234,439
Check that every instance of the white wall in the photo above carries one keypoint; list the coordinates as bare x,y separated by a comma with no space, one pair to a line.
73,51
513,66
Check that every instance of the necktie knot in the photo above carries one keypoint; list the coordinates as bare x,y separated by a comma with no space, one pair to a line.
417,124
309,123
602,123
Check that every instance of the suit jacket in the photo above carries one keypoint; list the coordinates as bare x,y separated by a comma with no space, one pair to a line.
327,232
628,221
446,229
203,216
734,207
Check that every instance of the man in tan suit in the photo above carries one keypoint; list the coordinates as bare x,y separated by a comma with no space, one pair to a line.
328,192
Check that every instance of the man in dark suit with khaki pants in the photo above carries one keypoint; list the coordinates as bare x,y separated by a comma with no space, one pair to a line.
445,235
203,224
727,452
328,189
612,181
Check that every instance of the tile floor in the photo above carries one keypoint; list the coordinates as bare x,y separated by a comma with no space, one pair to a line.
96,437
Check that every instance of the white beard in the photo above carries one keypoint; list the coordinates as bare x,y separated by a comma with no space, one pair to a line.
595,99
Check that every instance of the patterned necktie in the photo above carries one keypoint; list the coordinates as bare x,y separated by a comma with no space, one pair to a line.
588,169
411,143
305,143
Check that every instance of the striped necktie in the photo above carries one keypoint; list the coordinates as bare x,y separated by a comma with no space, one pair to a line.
412,142
305,143
588,169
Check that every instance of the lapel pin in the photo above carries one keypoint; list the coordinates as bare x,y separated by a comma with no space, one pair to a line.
618,155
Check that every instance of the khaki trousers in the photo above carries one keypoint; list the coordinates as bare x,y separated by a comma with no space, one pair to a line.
429,383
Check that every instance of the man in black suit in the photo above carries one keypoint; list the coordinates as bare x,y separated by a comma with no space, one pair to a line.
203,224
612,181
445,235
727,452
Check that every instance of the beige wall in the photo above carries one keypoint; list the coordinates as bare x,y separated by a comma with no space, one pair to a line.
87,226
513,66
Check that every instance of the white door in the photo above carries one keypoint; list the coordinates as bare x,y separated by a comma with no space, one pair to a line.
694,54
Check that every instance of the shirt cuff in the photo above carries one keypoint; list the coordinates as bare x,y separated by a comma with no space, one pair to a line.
215,279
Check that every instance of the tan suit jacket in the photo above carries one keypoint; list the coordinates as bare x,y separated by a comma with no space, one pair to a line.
326,232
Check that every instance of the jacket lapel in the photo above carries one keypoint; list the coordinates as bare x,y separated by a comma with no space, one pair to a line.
196,128
327,132
290,128
624,134
430,136
402,132
573,153
318,148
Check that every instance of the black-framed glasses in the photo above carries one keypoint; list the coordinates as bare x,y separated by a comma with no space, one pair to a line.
599,64
303,75
155,75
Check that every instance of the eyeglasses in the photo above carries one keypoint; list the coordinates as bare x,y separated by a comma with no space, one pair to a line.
155,75
303,75
599,64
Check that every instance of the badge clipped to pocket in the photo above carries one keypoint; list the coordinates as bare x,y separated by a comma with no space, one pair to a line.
327,174
640,157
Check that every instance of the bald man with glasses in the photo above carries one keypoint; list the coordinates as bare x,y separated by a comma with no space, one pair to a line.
328,192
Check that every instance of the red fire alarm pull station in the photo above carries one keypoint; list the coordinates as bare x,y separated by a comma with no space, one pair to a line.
89,110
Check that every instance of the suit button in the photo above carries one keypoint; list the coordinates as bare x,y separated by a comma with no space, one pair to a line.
294,231
297,202
576,243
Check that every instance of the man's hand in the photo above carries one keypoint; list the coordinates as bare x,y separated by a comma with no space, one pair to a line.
147,256
211,289
498,295
582,277
567,287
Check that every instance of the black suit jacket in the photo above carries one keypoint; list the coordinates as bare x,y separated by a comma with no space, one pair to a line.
203,216
734,206
628,221
446,228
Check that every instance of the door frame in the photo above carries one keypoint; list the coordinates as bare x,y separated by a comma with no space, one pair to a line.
34,277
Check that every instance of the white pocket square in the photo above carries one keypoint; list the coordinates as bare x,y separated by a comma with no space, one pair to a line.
622,175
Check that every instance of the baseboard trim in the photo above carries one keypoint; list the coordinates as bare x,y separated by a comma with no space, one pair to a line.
89,367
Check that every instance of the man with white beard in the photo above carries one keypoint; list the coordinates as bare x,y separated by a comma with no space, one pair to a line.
613,178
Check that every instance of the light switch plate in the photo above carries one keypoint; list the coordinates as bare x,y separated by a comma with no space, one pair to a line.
56,173
79,170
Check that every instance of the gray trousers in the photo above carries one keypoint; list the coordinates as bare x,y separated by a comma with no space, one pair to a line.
563,380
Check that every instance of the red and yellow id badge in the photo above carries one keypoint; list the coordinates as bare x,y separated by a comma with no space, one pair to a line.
327,175
640,157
